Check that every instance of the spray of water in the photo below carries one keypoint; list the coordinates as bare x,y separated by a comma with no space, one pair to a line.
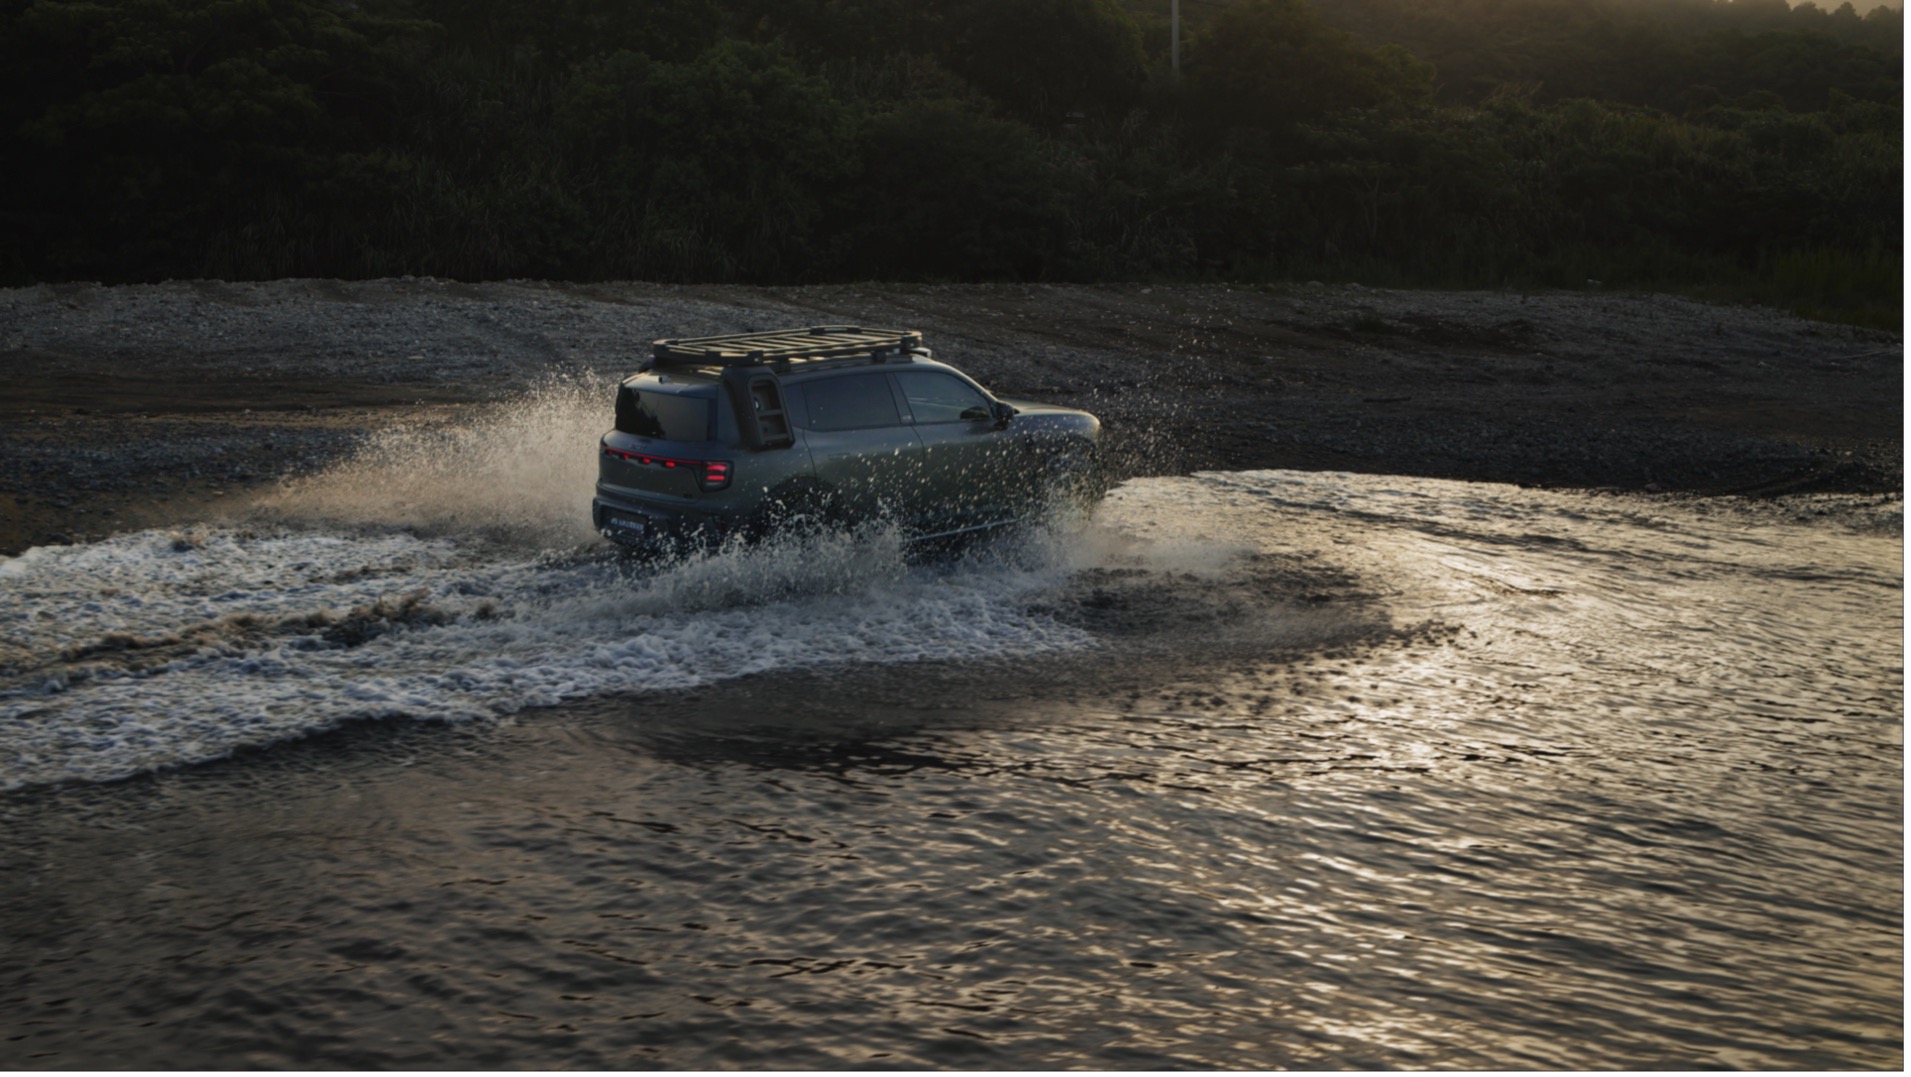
779,569
518,472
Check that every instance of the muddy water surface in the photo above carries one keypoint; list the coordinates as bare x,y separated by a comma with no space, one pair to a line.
1250,770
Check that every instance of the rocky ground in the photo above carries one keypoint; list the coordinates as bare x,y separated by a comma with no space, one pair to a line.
136,405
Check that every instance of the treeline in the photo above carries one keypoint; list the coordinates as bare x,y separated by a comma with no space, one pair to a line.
1670,54
1677,55
1654,143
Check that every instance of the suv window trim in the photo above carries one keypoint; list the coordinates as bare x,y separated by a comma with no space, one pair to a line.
902,402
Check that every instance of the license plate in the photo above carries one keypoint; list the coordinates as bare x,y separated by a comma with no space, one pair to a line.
626,524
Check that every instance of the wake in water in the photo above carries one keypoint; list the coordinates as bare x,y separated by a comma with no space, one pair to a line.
449,573
1455,774
153,649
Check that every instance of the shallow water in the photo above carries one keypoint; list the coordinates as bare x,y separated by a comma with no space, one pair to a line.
1251,770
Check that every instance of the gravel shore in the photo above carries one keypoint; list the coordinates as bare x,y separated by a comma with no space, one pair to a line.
140,405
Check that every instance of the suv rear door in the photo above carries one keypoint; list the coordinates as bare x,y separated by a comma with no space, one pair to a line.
861,445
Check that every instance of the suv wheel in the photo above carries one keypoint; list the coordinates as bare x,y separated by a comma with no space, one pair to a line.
799,507
1074,474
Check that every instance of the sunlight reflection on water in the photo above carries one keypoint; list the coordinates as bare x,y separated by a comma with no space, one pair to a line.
1319,771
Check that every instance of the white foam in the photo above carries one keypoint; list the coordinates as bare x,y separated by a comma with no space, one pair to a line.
150,650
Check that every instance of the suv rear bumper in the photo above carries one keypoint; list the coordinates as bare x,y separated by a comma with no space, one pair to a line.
654,527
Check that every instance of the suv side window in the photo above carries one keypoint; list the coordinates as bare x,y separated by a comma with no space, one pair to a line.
941,398
851,402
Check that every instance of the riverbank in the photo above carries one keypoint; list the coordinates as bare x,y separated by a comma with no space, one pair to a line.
139,405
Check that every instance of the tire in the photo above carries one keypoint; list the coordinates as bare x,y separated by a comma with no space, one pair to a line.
1074,475
800,507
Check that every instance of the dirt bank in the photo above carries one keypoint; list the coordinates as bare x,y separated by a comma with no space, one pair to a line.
136,405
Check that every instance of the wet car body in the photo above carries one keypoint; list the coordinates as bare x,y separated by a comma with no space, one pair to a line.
826,426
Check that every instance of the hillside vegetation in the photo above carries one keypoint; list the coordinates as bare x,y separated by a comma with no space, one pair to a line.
1739,150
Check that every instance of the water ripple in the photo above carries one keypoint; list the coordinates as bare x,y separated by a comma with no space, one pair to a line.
1264,771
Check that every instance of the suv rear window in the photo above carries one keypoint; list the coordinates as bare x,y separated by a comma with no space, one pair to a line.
850,403
670,416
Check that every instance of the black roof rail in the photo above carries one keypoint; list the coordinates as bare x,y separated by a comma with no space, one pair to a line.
783,345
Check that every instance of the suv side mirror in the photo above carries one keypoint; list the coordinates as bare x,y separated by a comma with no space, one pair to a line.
1002,413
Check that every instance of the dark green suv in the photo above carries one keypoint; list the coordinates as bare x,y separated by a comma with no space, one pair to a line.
834,425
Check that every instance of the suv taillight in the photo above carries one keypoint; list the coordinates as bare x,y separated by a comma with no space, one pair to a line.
711,474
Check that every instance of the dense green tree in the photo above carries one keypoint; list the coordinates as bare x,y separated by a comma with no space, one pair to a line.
1647,52
1141,199
1271,64
1045,59
562,32
707,162
945,193
1680,143
137,123
826,30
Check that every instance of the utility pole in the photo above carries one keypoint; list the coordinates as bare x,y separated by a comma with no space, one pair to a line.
1174,36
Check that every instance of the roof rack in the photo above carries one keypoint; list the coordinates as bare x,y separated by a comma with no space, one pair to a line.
783,345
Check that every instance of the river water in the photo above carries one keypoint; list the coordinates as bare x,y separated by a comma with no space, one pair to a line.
1249,770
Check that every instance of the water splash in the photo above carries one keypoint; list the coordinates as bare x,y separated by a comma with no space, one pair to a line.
148,650
518,472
